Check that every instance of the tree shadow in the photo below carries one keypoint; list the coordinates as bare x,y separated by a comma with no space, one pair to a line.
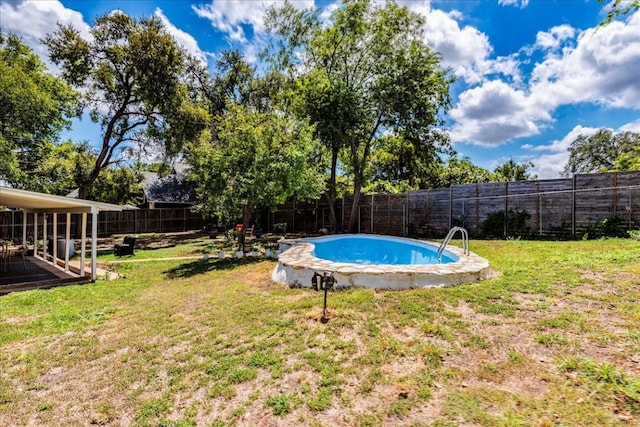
201,266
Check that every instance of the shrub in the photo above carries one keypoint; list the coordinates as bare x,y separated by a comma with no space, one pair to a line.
516,223
614,226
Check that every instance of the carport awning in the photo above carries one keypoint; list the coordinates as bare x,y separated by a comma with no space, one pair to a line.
38,202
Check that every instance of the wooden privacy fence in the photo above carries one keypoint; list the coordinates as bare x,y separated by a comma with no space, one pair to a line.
133,221
554,208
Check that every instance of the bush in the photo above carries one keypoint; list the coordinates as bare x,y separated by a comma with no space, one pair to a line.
614,226
516,224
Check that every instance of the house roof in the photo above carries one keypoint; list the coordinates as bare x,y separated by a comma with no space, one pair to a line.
172,188
39,202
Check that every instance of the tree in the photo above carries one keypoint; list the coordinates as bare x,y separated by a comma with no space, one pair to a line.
132,76
628,161
252,159
400,164
512,171
460,171
119,185
603,151
364,73
36,107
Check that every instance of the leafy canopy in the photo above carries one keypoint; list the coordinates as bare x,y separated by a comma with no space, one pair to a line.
603,151
35,107
132,75
252,159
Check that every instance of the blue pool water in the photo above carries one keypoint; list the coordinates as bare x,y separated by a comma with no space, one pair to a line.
369,249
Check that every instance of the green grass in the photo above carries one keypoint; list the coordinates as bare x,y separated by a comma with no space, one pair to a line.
551,339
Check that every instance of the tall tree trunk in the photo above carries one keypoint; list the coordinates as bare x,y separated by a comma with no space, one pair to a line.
246,218
332,193
353,216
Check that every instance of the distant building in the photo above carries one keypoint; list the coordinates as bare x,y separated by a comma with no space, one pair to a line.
170,191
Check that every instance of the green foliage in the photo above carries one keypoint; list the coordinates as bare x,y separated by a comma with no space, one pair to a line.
118,185
132,73
607,381
513,224
399,164
459,171
603,151
628,161
512,171
36,106
251,160
615,226
280,405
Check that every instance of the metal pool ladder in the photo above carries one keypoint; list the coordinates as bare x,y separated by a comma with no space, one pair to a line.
465,241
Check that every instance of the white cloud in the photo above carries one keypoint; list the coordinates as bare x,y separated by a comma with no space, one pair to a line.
631,127
465,49
554,38
552,163
184,39
328,11
230,16
33,20
593,66
602,68
494,113
521,3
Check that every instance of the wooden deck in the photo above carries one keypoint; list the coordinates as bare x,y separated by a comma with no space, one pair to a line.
36,275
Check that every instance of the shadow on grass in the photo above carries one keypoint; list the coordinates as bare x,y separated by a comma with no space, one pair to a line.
190,269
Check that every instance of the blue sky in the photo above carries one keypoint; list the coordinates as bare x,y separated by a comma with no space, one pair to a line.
531,75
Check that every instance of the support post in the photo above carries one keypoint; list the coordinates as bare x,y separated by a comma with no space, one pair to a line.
83,244
35,234
67,244
94,243
44,236
54,246
24,229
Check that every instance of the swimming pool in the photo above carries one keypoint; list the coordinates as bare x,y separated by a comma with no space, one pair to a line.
367,249
374,261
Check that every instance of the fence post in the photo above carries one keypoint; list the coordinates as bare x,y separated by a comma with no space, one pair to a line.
388,213
506,208
477,209
342,216
573,206
450,206
406,231
615,193
371,228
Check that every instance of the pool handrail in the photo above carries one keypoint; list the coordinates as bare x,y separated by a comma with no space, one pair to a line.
465,241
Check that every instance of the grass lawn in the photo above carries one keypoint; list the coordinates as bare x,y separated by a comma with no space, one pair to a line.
552,340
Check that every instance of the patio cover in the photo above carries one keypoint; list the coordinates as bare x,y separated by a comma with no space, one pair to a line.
39,203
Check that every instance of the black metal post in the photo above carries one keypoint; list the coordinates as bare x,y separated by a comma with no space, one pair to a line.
324,318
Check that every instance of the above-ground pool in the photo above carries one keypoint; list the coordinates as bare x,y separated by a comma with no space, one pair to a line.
374,261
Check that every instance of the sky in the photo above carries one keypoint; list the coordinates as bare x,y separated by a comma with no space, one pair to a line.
531,75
